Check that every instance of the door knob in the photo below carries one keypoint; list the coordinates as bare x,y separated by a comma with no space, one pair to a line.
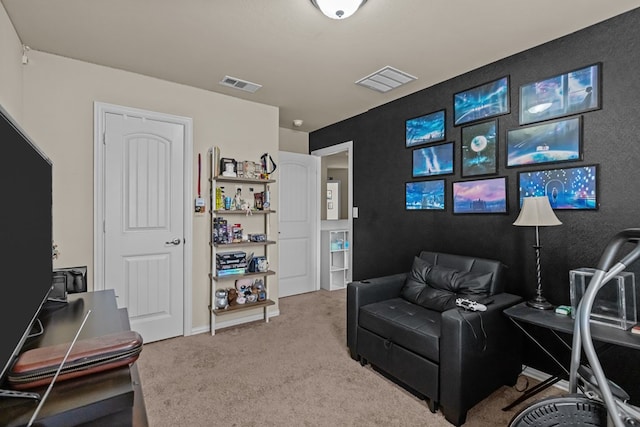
173,242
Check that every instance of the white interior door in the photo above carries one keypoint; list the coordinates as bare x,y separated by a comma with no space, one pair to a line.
298,223
143,222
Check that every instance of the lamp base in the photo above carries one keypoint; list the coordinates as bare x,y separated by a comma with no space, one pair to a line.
540,303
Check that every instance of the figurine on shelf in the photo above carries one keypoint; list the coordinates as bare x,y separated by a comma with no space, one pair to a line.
259,289
243,288
222,300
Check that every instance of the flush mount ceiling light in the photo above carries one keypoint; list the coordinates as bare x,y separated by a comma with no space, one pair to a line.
338,9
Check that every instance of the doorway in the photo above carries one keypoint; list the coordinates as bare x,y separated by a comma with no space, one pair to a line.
143,223
336,171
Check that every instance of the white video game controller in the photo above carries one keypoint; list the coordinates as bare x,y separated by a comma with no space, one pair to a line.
468,304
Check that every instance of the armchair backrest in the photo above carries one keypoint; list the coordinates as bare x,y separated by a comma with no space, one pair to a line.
467,263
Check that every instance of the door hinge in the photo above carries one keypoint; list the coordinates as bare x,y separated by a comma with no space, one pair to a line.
104,138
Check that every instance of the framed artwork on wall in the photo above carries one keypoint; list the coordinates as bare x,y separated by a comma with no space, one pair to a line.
433,160
552,142
481,102
425,195
480,196
480,149
565,94
425,129
567,188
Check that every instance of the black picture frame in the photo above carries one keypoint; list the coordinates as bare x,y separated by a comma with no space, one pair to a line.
425,129
482,102
568,188
555,141
574,92
479,148
481,196
432,160
425,195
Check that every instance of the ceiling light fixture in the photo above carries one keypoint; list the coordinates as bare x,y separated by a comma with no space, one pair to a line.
338,9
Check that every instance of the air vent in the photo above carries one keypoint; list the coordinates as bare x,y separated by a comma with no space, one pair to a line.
240,84
386,79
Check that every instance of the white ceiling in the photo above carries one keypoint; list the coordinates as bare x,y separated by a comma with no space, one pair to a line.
307,64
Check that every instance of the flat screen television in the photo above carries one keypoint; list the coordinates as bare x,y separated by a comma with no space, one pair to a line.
26,236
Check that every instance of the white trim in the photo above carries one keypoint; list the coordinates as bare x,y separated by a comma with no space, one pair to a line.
100,110
235,322
338,148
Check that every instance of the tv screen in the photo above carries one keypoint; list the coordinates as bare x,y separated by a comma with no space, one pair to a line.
26,235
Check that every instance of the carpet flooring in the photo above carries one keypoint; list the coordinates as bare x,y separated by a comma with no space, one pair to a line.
293,371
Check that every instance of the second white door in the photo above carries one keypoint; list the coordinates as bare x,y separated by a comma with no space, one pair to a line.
298,223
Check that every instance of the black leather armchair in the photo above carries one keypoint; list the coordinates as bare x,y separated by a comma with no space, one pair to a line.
452,358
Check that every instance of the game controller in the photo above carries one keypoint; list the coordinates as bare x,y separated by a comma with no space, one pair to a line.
470,305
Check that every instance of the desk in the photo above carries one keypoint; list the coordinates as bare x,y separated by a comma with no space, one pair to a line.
108,398
523,315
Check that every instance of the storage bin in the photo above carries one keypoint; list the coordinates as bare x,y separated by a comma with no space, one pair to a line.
615,303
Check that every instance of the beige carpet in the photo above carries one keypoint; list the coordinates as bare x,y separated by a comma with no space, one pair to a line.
293,371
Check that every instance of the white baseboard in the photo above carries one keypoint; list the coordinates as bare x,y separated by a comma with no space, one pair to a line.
234,322
541,376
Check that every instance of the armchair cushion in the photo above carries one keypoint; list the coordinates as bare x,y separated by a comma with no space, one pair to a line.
436,287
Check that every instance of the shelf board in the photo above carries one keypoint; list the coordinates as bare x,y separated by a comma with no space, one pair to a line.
243,180
239,276
240,211
229,245
241,307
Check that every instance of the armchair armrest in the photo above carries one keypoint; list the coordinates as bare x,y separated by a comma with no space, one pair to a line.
479,352
360,293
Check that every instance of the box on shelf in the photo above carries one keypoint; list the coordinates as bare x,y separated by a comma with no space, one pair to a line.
615,303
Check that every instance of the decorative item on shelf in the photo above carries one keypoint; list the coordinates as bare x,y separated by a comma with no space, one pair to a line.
258,198
265,167
266,198
258,264
536,212
257,237
260,289
222,299
232,296
228,167
243,288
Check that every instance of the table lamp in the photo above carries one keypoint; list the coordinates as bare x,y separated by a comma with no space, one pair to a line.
537,212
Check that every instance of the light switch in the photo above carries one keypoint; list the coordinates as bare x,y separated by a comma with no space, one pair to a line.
354,212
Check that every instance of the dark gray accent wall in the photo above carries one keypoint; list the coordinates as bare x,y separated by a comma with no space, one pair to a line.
386,236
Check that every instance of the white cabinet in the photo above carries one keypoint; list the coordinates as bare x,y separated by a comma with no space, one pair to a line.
335,273
254,222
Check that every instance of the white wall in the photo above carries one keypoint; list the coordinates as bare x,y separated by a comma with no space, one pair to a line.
10,67
56,96
294,141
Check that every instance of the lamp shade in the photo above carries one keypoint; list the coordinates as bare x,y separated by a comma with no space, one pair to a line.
536,211
338,9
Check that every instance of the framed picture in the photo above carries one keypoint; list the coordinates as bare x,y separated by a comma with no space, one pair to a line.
425,129
480,149
566,188
433,160
480,196
552,142
481,102
570,93
425,195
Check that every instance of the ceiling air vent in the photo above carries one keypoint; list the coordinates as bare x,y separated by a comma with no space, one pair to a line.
240,84
386,79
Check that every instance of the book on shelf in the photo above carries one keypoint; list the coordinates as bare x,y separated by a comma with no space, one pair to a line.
231,271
